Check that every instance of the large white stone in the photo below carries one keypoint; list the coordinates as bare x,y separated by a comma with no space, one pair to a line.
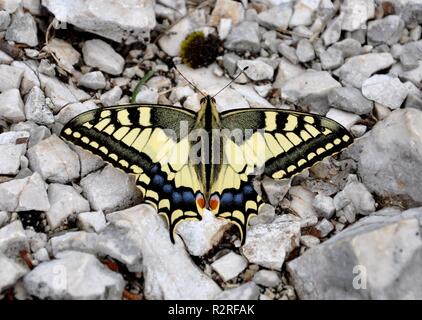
24,194
54,160
358,68
391,155
110,189
11,106
386,90
269,244
229,266
74,275
201,236
64,201
115,19
101,55
10,272
13,239
162,261
377,258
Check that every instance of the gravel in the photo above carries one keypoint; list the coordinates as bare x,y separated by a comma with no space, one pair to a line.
358,62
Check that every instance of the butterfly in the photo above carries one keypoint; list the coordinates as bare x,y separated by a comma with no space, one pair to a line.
185,162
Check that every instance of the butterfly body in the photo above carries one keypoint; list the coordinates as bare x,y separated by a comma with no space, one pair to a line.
186,162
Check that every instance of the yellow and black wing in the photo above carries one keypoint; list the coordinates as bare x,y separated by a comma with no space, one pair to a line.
151,142
275,143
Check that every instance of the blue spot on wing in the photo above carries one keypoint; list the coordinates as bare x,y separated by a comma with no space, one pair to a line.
226,199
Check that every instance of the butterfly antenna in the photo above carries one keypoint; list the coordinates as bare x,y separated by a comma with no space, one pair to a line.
191,83
241,71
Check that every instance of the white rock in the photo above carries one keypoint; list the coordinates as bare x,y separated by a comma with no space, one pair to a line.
64,201
324,206
10,272
41,255
229,266
10,5
288,52
72,110
308,83
147,95
116,19
387,30
27,130
89,162
201,236
10,157
162,261
356,13
267,278
358,68
57,91
244,37
74,275
256,70
277,17
350,99
323,228
230,9
386,90
4,218
119,241
354,199
5,58
224,28
101,55
111,97
65,53
23,29
24,194
309,241
331,58
11,106
275,189
36,108
253,99
333,31
170,42
75,241
303,12
92,221
10,77
30,75
305,51
263,90
13,239
54,160
37,240
110,189
346,119
246,291
358,130
386,248
395,172
286,71
301,202
93,80
45,67
269,244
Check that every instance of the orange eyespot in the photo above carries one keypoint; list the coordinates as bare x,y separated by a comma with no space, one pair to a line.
214,202
200,201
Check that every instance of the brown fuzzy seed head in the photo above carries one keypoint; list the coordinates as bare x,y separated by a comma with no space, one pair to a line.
199,51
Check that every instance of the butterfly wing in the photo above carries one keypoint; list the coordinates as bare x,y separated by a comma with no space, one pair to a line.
150,142
275,143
